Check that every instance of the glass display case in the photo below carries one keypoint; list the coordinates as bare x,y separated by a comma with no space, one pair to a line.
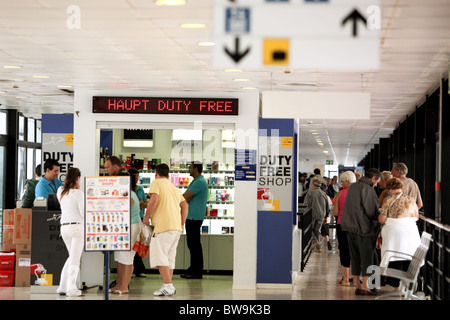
220,214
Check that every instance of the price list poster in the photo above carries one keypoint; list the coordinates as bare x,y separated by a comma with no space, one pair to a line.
107,218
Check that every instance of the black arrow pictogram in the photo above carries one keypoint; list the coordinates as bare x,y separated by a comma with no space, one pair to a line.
236,55
355,16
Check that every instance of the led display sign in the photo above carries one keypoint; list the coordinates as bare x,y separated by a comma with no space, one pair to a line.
151,105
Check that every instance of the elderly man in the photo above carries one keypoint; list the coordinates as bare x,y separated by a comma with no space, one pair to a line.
316,200
410,187
360,221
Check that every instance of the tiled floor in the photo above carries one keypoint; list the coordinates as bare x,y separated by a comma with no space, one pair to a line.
317,282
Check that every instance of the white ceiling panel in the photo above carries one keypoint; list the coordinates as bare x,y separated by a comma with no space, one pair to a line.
135,44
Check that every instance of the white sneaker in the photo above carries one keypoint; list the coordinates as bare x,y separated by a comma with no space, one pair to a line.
165,291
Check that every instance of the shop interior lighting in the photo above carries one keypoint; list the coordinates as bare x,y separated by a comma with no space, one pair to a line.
233,70
241,79
12,67
41,77
248,88
138,143
186,134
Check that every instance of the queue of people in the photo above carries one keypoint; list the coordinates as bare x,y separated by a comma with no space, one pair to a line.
370,225
165,208
363,220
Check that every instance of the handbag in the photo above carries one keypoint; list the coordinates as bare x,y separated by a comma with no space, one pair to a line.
142,244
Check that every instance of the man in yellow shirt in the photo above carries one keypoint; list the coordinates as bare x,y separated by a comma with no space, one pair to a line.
168,210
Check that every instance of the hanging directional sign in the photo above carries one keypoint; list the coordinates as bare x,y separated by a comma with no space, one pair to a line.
341,35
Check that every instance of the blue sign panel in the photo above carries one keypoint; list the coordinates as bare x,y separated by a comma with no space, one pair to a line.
245,165
237,20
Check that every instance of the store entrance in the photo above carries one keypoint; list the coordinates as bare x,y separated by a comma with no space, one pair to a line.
145,148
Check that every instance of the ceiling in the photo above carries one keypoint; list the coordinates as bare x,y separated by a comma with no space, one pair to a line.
137,45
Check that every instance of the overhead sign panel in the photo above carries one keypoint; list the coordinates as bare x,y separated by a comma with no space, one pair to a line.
323,35
163,105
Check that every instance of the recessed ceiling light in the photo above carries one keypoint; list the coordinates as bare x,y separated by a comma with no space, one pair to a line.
12,67
206,44
62,86
193,25
241,79
41,77
248,88
325,151
170,2
233,70
2,92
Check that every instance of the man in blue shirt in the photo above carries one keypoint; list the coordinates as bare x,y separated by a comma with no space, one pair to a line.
49,182
196,196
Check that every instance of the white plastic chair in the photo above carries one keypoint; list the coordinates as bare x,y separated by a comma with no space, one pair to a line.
408,279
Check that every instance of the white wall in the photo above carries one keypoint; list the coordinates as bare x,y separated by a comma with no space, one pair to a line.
86,156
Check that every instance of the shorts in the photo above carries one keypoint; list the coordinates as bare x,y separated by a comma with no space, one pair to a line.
127,257
325,230
163,249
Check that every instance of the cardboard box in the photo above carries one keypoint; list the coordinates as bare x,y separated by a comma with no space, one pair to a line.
22,226
8,230
23,261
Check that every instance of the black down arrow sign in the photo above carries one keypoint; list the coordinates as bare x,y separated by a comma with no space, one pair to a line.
355,16
236,55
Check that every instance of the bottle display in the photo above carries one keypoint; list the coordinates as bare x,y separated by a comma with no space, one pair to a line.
218,170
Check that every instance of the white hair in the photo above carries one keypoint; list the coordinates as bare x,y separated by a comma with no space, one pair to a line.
347,176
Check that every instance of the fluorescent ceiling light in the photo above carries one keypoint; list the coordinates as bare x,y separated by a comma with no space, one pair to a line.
241,79
12,67
41,77
61,86
248,88
138,143
206,44
193,25
170,2
233,70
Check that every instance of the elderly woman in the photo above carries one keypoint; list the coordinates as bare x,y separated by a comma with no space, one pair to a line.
385,176
346,179
398,215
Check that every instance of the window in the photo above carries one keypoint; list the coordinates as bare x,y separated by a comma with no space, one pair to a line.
31,130
21,128
3,122
21,170
38,131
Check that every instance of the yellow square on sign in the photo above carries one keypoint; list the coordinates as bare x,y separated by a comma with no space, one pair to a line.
287,142
276,52
69,138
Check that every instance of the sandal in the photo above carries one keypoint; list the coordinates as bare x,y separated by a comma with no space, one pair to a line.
344,284
119,292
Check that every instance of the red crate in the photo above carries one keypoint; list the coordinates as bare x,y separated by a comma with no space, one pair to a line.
7,278
7,260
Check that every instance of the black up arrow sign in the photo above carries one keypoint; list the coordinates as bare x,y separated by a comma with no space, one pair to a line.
355,16
236,55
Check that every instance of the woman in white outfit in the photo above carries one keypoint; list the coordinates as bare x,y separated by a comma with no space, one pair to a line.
71,199
398,215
